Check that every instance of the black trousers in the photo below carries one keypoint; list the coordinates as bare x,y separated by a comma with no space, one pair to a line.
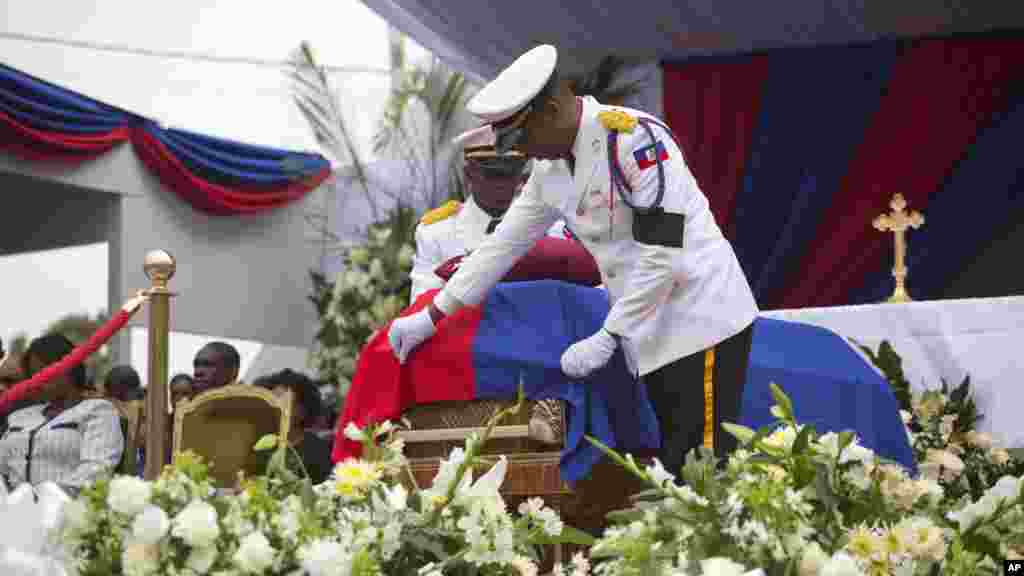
678,390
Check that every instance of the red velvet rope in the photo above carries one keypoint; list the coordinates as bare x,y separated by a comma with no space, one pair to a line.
27,388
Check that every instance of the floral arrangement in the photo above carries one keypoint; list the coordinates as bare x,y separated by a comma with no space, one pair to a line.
370,292
363,521
941,424
792,501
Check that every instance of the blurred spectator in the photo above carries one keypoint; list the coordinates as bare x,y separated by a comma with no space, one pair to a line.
306,406
215,365
64,438
182,388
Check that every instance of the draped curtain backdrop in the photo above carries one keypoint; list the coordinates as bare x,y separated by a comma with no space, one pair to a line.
798,150
43,122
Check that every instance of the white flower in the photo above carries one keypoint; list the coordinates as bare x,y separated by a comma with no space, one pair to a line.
841,564
150,526
254,553
201,559
782,438
658,473
128,495
325,558
812,560
524,566
352,432
196,524
1006,489
74,517
140,559
721,567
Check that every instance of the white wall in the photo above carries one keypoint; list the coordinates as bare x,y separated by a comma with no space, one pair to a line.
210,66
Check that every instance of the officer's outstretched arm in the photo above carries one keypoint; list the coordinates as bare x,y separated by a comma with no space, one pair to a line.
659,232
526,221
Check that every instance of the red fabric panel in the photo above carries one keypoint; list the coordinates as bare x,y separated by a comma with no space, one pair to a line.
27,388
940,94
441,369
712,108
549,259
34,144
210,197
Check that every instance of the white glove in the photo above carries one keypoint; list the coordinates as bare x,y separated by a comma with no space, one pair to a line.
408,332
588,355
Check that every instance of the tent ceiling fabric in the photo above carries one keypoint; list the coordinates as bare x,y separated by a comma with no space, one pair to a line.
482,37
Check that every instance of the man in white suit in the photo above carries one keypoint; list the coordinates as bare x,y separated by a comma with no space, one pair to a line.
681,307
456,229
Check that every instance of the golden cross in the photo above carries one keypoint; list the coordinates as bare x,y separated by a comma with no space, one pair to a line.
897,222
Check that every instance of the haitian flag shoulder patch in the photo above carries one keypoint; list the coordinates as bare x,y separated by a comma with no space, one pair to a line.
649,155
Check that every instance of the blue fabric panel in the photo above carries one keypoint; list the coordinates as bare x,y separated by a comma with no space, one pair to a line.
814,107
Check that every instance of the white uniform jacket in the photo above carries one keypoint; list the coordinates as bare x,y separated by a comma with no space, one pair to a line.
667,302
441,241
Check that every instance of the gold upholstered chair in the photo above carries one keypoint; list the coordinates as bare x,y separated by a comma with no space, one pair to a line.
223,425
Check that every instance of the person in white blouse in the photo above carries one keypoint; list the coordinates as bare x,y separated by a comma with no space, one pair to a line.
64,438
681,308
456,229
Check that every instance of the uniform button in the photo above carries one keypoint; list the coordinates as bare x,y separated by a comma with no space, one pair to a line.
595,239
612,274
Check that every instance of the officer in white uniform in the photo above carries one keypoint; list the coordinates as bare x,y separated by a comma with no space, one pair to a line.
456,229
681,306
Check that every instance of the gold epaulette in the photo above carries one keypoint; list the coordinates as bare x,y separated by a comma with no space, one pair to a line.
442,212
617,120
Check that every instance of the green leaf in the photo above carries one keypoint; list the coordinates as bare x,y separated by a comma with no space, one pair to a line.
307,495
803,440
625,516
978,542
782,401
651,495
822,486
569,535
741,433
424,544
267,442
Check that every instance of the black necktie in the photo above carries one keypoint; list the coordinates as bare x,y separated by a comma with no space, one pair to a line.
493,224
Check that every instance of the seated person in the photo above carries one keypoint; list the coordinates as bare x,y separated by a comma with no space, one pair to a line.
64,438
306,407
123,388
180,388
215,365
454,230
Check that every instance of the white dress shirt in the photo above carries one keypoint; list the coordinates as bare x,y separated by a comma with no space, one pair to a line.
667,302
72,450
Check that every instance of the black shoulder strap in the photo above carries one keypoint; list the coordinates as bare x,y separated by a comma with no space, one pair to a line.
619,181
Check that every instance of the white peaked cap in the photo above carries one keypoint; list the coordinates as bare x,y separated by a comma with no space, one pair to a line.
515,86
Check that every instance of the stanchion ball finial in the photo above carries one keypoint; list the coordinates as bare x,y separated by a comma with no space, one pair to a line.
159,267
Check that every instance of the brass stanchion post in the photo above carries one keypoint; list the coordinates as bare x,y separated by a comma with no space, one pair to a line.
159,267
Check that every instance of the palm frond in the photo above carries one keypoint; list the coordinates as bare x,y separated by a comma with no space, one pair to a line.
602,82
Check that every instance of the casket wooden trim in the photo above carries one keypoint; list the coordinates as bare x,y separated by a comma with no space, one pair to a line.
449,434
528,475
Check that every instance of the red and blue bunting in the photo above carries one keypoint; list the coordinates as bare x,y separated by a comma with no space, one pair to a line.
43,122
799,149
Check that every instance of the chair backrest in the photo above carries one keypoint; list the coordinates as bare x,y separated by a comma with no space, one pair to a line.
223,425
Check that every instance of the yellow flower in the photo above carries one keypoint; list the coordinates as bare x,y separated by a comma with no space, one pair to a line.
353,477
617,120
